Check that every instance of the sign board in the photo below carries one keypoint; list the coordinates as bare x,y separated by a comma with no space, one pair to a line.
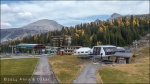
25,47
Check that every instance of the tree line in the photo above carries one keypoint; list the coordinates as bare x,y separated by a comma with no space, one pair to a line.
120,32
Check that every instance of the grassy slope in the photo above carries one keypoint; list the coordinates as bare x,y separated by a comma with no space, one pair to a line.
137,72
66,68
18,66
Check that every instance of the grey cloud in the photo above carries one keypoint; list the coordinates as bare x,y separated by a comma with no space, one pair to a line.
70,10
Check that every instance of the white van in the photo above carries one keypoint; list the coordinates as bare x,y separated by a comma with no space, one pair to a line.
103,50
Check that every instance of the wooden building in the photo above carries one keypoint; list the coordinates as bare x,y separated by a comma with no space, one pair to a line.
58,41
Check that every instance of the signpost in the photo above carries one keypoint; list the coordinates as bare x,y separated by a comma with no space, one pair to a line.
135,43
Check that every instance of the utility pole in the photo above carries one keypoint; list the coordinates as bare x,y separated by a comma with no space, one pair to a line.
135,44
12,46
0,48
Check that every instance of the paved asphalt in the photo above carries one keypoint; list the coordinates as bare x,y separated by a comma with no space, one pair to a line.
43,73
88,74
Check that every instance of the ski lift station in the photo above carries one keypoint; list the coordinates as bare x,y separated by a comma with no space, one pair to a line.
103,50
107,51
29,47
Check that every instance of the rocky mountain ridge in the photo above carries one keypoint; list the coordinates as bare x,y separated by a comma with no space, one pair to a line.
38,27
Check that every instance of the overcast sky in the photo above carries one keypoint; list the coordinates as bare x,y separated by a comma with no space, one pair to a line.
68,13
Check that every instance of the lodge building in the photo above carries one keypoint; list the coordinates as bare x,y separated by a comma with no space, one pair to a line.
58,41
70,49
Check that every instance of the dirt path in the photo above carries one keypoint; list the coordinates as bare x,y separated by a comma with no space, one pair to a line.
88,74
43,73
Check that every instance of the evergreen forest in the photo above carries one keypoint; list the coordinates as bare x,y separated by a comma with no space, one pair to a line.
120,32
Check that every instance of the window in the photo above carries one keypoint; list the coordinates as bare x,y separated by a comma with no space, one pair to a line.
82,52
109,50
121,58
96,50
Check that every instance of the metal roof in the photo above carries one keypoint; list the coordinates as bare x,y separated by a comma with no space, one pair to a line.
27,46
83,49
120,48
105,46
123,54
71,46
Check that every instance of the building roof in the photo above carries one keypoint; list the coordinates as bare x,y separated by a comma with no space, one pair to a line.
25,44
120,48
123,54
83,49
30,46
66,36
105,46
71,46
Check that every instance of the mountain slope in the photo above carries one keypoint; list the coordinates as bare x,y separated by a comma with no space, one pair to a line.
115,15
38,27
43,25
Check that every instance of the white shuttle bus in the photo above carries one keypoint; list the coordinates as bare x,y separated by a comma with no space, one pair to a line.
103,50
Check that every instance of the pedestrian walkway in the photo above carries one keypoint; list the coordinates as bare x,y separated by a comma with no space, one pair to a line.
43,74
88,74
